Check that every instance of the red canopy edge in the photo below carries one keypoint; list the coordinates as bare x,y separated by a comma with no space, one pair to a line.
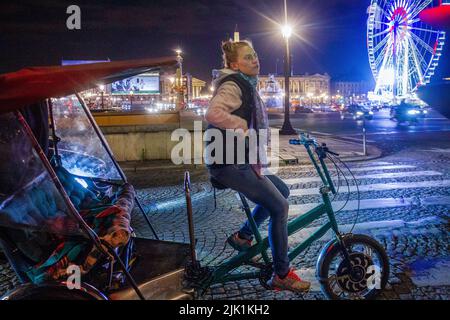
438,17
34,84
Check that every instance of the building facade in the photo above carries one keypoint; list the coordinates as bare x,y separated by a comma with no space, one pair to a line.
300,85
351,88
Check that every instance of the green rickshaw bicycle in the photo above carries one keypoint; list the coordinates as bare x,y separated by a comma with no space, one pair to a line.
350,266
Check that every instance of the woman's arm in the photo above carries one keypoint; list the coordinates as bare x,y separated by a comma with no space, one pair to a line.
227,99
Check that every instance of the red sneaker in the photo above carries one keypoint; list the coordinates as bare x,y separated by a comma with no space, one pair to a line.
291,282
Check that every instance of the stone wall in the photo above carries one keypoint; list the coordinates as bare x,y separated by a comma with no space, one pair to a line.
150,138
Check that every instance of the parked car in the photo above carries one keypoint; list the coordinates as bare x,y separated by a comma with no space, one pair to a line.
356,112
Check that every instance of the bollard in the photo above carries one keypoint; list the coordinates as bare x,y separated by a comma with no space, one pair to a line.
364,137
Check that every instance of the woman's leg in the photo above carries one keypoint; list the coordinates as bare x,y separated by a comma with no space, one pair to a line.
264,193
260,213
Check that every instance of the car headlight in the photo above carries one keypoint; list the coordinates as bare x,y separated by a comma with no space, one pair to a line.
359,113
370,112
412,112
425,111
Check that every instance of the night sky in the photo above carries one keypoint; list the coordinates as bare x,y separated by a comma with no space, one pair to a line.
331,33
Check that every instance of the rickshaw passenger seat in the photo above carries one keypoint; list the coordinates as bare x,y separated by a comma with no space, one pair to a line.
27,249
80,197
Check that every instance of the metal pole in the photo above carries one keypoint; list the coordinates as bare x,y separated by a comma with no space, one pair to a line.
187,190
364,137
111,156
287,126
55,138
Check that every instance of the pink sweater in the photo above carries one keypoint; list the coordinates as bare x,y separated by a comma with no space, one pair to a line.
227,99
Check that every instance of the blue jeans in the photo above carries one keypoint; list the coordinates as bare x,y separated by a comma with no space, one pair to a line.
269,193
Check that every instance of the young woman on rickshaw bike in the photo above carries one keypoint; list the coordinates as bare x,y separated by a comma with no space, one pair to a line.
237,105
349,266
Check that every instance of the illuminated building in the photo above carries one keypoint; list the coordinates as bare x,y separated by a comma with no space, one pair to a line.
300,85
154,92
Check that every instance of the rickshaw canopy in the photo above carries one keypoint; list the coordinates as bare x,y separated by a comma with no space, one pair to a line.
34,84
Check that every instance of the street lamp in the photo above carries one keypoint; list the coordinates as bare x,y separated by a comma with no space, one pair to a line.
180,59
102,89
131,99
287,128
180,90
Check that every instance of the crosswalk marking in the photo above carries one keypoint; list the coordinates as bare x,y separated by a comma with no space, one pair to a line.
309,168
387,167
372,227
380,187
375,203
379,203
438,150
369,176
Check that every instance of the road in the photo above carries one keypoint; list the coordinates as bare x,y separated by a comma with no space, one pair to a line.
331,123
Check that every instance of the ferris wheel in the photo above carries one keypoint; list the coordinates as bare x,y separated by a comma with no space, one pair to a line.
403,51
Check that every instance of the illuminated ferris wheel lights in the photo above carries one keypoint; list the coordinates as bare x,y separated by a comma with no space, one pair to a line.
387,77
403,51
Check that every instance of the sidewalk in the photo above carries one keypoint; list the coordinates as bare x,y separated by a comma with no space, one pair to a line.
349,151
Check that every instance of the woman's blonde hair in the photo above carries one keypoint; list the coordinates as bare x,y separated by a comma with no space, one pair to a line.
230,51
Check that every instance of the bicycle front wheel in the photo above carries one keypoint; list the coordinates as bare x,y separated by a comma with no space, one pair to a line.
363,275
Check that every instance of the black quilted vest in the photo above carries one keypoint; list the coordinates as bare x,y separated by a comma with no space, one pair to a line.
246,111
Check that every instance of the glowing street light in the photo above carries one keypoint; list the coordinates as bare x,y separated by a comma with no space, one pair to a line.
286,31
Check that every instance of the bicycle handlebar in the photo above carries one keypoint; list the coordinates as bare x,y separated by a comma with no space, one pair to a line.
307,141
321,151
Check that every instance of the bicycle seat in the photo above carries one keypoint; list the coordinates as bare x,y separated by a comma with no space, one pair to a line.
216,184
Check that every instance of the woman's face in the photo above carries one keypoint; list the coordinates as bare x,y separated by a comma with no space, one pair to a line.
247,62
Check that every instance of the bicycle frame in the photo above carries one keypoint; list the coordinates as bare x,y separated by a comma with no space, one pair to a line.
221,274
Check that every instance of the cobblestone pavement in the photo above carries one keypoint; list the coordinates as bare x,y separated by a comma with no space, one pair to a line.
405,206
